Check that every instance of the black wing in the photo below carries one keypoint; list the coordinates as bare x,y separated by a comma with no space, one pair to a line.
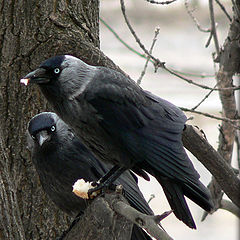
148,130
148,127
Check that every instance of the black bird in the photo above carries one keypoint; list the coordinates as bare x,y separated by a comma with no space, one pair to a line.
60,159
124,125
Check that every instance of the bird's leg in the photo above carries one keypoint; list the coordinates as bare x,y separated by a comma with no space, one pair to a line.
106,176
115,174
107,179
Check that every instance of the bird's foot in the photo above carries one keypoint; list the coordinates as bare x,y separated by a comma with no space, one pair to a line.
96,190
101,189
106,182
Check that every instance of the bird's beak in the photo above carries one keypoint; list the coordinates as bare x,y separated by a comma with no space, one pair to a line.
42,137
37,76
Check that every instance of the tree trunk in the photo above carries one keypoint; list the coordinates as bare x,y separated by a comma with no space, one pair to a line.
31,31
229,60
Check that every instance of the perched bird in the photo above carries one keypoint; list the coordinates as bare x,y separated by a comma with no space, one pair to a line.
60,159
124,125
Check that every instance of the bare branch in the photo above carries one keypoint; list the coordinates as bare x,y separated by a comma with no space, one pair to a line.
152,196
162,2
148,58
203,99
231,121
147,222
223,9
213,27
209,40
231,207
157,62
213,161
190,13
197,84
120,39
139,81
225,205
228,66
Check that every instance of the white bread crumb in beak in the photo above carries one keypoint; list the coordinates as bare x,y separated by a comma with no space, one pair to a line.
25,81
80,188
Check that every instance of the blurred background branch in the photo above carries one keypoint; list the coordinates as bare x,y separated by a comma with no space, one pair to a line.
227,59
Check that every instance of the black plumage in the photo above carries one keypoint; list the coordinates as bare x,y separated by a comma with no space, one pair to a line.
124,125
60,159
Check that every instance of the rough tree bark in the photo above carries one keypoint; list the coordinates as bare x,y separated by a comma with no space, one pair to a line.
109,226
214,162
31,31
229,64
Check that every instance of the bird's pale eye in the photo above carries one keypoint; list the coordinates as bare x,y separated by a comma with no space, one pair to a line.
56,70
53,128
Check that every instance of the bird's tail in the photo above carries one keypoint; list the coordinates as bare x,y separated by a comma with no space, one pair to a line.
199,194
195,191
175,197
139,234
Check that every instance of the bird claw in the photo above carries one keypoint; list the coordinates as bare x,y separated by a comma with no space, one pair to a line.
95,183
101,189
93,192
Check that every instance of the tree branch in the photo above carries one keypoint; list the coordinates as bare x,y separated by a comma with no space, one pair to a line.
148,58
206,96
147,222
224,10
190,13
233,122
110,217
228,65
213,27
157,62
161,2
229,206
99,222
198,84
213,161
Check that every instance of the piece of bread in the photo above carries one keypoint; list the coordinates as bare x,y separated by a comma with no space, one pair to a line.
80,188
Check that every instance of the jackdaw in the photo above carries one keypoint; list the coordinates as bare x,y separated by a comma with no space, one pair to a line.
61,159
124,125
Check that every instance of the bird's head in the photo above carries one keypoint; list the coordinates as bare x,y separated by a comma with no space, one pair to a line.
50,70
60,76
42,128
47,72
46,130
